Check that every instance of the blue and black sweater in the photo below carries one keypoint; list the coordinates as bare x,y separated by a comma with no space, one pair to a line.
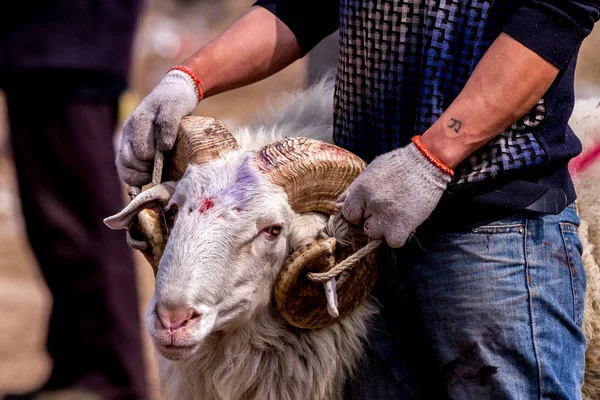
402,63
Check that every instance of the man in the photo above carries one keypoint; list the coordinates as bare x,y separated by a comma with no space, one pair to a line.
461,109
63,65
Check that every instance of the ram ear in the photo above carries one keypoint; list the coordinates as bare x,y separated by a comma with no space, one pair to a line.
158,195
145,230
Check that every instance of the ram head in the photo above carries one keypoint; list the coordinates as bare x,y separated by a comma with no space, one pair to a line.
231,231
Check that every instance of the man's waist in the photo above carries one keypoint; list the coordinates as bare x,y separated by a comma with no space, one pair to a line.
466,207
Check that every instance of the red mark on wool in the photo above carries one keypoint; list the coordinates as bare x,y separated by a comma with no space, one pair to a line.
206,204
585,160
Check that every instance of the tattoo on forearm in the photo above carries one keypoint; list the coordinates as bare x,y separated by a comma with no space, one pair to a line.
456,125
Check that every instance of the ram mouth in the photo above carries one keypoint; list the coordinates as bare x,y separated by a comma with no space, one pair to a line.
176,352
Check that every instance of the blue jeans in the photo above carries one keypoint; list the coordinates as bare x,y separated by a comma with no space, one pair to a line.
492,313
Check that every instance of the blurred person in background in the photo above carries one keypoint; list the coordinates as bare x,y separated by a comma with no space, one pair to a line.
461,109
63,66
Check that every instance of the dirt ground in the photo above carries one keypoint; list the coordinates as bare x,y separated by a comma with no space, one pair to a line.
24,299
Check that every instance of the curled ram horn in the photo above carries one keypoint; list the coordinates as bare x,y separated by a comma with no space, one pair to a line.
314,174
199,140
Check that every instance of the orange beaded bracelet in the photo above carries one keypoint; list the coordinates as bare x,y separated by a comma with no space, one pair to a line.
434,160
191,75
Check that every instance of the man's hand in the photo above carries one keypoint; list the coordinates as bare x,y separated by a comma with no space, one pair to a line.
255,46
154,123
395,194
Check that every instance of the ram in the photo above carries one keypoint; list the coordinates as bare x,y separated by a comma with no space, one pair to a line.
245,306
246,221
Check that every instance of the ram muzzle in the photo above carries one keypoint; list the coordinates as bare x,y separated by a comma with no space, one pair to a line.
312,173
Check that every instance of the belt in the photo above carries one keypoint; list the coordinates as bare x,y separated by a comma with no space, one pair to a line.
553,201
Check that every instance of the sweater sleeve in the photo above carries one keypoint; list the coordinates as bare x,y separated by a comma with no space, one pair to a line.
310,20
554,29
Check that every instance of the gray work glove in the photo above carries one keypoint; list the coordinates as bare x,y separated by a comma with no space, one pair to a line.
394,195
155,120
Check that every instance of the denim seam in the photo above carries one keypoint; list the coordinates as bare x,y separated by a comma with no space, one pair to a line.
568,250
503,226
498,229
528,282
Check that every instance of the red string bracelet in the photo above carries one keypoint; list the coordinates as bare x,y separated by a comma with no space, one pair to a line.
434,160
191,75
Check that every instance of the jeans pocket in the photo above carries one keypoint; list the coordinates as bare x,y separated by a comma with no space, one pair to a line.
573,252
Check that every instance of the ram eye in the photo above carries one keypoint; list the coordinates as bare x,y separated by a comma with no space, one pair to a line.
273,231
170,214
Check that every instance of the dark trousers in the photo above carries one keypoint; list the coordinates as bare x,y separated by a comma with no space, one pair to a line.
62,148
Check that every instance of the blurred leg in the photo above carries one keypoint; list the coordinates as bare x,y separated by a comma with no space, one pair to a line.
68,183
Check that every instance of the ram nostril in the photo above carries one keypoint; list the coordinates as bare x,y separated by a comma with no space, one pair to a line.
175,318
195,315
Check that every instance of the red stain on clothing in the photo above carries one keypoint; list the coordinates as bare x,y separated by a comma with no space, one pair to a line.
206,204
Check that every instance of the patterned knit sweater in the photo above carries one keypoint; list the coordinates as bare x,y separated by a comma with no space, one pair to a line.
402,63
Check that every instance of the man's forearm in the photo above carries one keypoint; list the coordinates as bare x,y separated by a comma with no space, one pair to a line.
508,81
254,47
